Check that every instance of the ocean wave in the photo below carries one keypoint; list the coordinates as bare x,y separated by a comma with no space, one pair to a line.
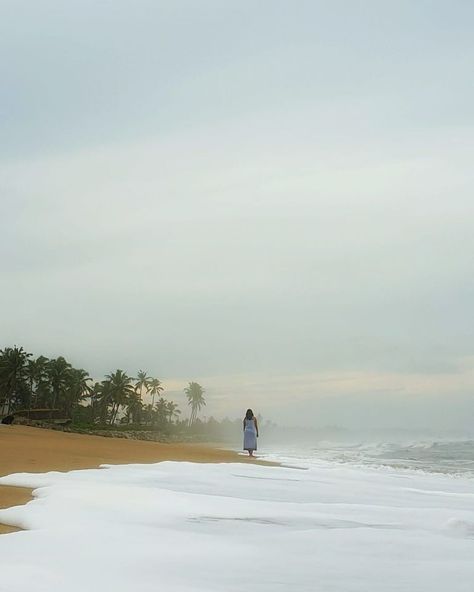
451,457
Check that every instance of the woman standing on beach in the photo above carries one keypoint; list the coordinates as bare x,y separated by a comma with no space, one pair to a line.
250,432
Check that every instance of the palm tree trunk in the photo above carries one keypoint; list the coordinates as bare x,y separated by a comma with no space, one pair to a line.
117,408
8,404
30,397
111,414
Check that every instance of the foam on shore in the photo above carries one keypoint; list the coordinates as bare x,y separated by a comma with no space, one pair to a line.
208,527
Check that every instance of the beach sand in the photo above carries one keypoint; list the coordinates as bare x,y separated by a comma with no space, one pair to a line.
35,450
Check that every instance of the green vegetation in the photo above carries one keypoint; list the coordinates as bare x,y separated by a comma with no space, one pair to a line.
53,388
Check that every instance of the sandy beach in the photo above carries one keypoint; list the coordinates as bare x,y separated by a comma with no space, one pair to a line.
35,450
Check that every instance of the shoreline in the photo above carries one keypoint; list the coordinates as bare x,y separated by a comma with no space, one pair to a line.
27,449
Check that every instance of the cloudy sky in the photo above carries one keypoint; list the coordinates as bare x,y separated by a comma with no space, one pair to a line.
272,198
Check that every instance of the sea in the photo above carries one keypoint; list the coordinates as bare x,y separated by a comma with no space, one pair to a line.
448,456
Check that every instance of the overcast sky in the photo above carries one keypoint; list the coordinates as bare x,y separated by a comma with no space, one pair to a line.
271,198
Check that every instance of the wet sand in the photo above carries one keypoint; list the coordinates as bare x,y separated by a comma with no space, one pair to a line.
35,450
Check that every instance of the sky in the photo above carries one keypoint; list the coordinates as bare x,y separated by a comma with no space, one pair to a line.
271,198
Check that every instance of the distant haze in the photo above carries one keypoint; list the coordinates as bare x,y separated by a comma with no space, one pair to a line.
274,199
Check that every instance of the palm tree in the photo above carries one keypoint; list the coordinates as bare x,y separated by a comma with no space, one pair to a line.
13,378
155,389
95,394
59,373
134,407
103,399
117,387
172,411
195,394
149,414
36,374
161,412
142,383
77,388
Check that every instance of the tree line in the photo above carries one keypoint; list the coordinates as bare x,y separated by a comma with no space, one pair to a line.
29,383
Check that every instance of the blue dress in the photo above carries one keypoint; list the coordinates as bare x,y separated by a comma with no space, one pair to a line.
250,435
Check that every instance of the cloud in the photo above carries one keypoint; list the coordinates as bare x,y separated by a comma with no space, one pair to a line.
240,192
355,399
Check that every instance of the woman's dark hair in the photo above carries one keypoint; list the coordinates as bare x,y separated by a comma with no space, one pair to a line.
249,414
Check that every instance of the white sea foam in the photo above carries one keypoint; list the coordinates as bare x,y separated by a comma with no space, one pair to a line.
448,456
179,527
